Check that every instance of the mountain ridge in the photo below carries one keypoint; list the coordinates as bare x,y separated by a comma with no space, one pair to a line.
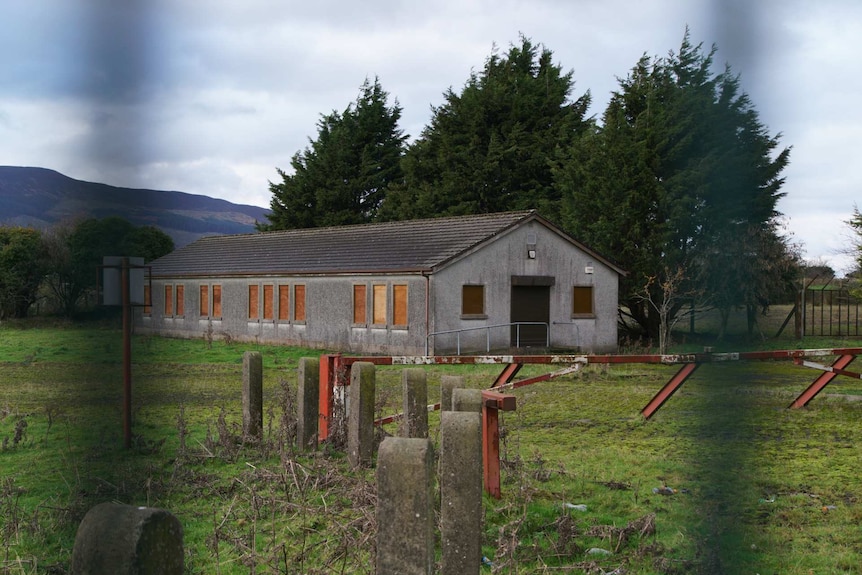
41,197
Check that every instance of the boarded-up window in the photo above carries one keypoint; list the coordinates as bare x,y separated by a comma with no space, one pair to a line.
473,300
253,301
359,304
284,302
399,305
205,300
582,300
267,301
181,299
299,303
148,301
379,305
169,300
216,300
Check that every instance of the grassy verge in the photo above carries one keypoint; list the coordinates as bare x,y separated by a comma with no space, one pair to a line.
724,479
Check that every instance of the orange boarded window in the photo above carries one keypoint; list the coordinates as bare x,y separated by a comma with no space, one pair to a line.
169,300
148,301
299,303
582,300
252,301
378,313
216,300
181,299
473,300
205,300
267,301
399,305
359,304
284,302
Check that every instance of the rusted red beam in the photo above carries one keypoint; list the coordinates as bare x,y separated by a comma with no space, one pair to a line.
669,389
830,368
822,381
500,401
508,373
399,416
544,377
465,359
667,359
492,404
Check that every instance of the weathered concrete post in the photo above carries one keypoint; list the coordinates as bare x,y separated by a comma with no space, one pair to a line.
360,418
405,511
415,402
461,492
467,400
252,394
448,383
116,539
307,403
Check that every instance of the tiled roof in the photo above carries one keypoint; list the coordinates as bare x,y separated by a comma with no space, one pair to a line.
407,246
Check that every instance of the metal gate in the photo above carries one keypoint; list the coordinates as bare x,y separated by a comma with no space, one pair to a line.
830,311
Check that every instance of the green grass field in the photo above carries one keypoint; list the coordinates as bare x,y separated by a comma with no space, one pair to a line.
756,488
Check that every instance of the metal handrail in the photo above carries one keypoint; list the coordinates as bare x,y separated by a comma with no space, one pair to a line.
488,329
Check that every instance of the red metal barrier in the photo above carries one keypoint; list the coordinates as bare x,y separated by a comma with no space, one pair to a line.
334,369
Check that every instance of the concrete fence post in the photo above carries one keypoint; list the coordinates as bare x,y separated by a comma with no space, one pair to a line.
415,402
252,394
115,539
460,492
467,400
307,403
449,383
405,510
360,417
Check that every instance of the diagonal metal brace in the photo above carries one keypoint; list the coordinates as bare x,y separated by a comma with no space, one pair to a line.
669,389
830,373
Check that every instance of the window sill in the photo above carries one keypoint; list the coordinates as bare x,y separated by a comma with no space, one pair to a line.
583,316
474,316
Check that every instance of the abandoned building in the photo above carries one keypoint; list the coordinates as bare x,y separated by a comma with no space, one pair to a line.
470,284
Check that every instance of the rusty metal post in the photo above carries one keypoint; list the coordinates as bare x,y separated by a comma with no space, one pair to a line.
127,357
326,393
492,403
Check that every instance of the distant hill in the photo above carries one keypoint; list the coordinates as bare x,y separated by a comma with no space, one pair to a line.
40,197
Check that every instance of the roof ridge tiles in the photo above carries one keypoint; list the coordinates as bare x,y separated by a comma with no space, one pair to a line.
398,245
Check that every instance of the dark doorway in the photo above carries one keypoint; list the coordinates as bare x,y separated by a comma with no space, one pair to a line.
533,304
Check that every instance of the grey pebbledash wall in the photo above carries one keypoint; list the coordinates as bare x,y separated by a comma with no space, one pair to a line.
531,251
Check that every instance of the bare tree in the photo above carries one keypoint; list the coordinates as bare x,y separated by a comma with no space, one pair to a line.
669,301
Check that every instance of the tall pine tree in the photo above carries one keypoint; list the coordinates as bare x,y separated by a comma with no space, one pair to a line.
678,173
488,149
342,177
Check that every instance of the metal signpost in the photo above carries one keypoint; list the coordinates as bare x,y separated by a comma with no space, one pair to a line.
123,285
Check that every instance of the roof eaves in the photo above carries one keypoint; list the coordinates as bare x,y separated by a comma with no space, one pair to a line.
289,273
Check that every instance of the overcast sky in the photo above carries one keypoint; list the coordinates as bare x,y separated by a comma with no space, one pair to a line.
210,96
